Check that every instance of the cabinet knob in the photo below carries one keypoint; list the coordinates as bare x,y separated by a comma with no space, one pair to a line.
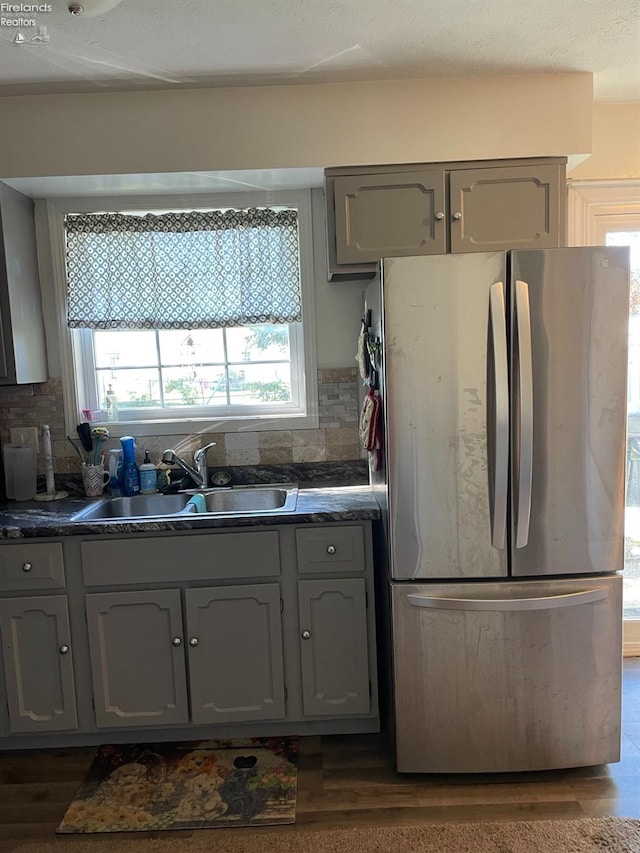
439,215
63,650
194,641
26,567
177,641
306,635
457,215
331,549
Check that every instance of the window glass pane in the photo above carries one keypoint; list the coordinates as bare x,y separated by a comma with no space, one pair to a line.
133,389
125,348
200,346
261,383
258,343
202,386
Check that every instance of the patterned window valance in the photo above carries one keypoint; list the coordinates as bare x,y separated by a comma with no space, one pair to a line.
187,270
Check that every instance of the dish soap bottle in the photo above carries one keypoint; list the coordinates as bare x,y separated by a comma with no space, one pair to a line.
111,404
130,475
148,476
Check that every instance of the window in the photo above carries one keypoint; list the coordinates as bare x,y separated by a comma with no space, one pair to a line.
192,318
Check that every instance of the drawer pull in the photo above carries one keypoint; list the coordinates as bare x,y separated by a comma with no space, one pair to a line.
64,650
306,635
26,567
194,641
331,549
177,641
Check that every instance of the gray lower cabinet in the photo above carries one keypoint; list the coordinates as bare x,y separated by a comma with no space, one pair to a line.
240,632
235,653
333,646
139,650
392,211
38,664
137,658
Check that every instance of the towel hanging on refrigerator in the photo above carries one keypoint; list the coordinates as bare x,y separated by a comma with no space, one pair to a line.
371,427
362,353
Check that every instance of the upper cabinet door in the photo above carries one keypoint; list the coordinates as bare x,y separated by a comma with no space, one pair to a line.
516,207
38,663
389,215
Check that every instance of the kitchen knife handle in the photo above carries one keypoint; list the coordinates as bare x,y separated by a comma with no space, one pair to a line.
501,415
524,422
542,602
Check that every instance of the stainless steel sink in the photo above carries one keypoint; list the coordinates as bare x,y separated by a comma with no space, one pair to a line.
246,500
240,500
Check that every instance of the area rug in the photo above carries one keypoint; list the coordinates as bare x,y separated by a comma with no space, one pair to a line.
193,785
590,835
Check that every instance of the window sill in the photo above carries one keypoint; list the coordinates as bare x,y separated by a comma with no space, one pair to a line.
207,426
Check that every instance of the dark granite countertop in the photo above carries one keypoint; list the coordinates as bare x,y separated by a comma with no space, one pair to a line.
34,519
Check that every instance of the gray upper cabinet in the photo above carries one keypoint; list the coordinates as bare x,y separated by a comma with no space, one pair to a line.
392,211
235,653
389,215
23,357
495,209
333,646
137,658
38,664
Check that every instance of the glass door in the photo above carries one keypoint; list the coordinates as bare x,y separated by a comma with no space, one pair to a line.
625,231
607,213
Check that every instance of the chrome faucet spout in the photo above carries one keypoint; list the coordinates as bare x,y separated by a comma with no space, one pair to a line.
198,473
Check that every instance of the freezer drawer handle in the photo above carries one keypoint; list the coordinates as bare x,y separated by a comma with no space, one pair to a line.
545,602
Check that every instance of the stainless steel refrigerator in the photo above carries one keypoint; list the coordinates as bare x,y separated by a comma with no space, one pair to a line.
503,377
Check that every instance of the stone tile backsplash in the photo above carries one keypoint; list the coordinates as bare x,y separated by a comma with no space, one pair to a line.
335,440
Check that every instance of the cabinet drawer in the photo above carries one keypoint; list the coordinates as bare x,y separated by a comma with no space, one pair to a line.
184,558
34,566
330,549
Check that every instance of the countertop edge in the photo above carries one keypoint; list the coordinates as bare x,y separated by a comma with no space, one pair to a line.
315,505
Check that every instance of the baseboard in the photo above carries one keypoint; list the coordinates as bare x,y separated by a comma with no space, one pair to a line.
631,649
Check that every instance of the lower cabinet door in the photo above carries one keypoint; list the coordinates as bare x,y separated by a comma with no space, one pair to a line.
137,658
333,646
38,664
235,653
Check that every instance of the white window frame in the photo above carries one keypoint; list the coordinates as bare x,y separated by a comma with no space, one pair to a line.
50,214
595,207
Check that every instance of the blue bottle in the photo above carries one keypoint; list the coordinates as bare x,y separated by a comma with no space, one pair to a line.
129,475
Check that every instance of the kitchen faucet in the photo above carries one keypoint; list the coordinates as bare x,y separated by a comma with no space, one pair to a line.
199,473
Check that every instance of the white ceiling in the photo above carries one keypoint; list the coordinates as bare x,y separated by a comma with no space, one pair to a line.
142,44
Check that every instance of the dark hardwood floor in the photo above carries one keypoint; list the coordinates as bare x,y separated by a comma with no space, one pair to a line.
348,781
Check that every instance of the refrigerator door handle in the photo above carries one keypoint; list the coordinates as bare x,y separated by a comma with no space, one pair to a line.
524,422
501,414
550,602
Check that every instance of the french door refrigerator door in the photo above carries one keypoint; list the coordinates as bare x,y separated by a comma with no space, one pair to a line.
509,675
447,410
569,315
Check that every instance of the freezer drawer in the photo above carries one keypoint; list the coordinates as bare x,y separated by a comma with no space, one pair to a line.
505,676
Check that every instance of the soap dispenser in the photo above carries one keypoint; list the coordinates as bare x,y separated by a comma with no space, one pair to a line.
148,476
130,475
